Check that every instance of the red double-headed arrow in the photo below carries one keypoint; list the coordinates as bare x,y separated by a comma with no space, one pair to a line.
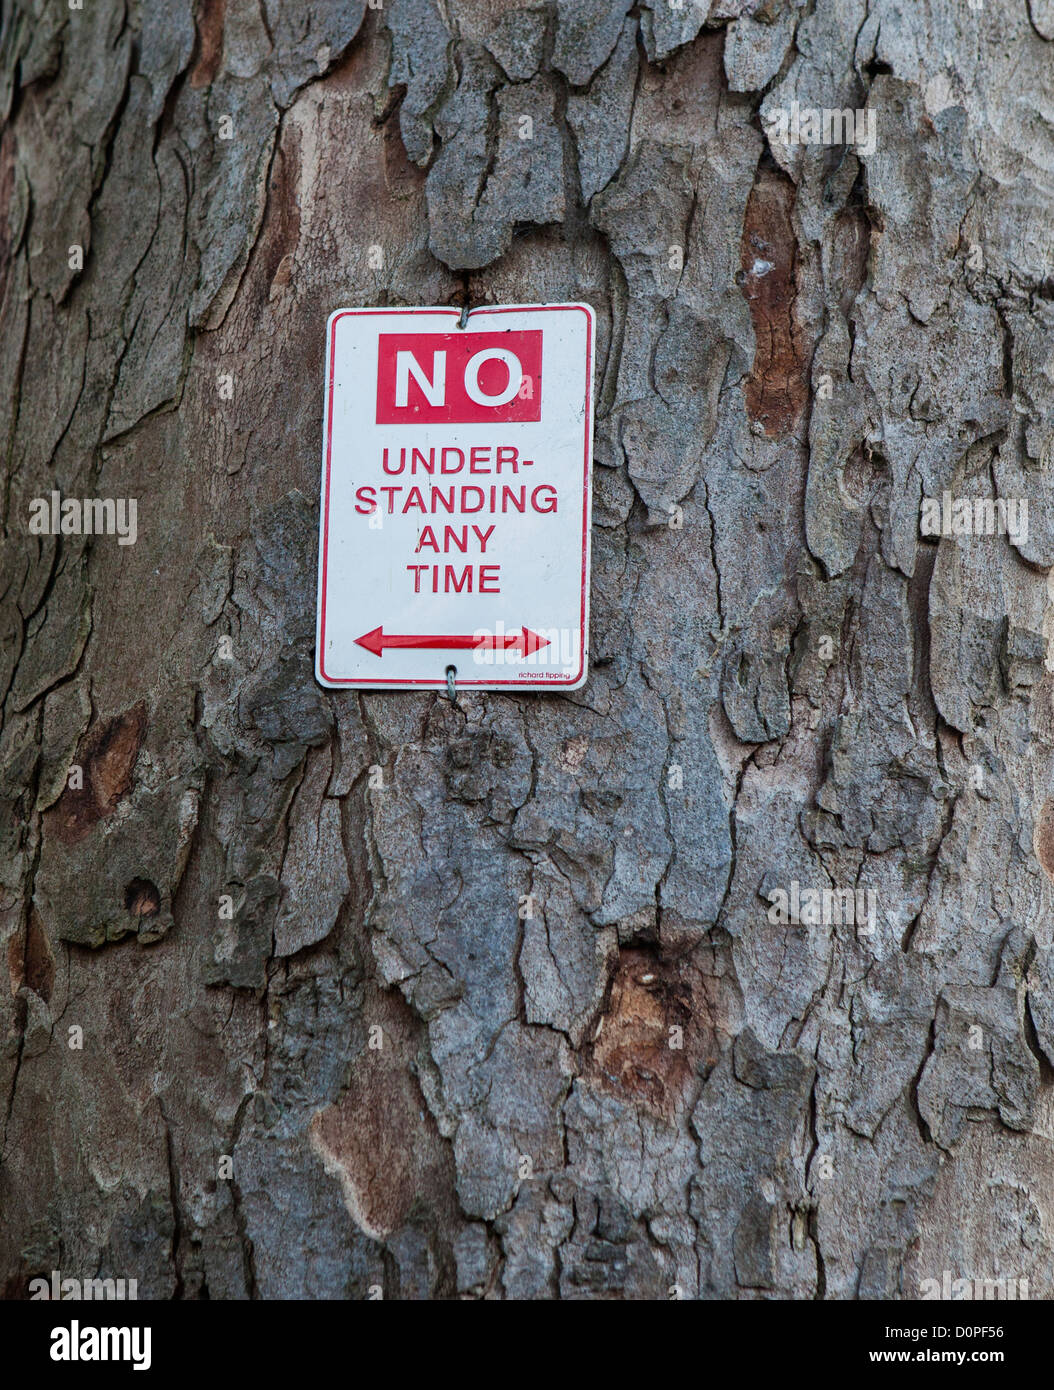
524,641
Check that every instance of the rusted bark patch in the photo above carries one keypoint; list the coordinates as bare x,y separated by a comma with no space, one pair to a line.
30,961
659,1023
107,758
777,388
210,18
1043,839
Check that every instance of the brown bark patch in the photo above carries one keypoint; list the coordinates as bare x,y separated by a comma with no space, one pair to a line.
29,959
142,899
380,1141
1043,840
107,757
777,388
652,1006
211,17
361,1142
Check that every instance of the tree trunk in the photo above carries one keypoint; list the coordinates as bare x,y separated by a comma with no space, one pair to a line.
316,994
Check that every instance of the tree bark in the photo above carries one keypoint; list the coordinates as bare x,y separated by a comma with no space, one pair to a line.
314,994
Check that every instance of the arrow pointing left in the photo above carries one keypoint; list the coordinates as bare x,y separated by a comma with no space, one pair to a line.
524,641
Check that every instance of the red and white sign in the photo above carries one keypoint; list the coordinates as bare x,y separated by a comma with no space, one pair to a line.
454,528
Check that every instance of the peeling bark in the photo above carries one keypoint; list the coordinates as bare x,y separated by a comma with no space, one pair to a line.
316,992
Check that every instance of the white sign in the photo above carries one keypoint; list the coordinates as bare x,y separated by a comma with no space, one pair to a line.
454,527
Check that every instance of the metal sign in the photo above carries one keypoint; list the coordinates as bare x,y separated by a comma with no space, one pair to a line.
454,527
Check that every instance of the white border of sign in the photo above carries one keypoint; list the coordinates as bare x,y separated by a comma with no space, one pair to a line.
538,682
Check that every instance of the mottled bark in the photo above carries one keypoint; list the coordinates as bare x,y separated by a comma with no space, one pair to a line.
486,999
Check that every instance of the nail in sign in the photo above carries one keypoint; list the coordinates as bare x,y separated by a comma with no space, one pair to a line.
454,526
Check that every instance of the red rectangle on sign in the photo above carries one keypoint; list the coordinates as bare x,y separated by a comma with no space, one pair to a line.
459,378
